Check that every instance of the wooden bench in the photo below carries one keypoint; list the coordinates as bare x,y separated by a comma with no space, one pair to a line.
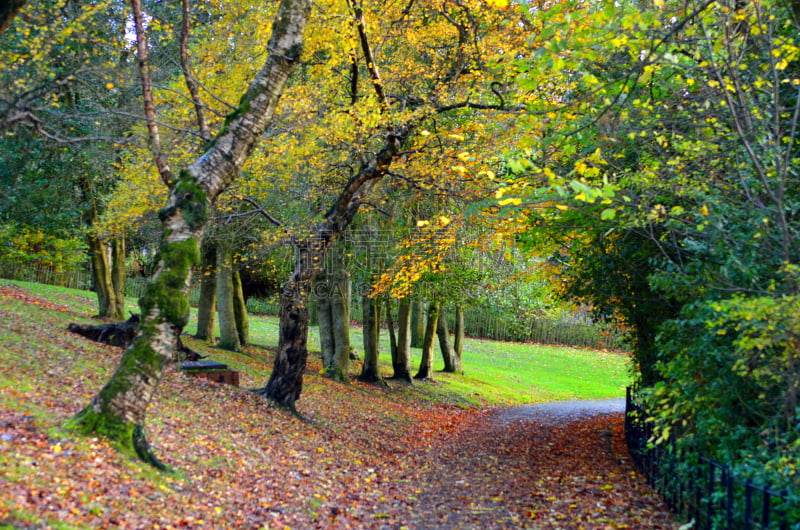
211,371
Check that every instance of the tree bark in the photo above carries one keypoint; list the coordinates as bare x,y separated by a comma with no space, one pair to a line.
226,311
118,270
333,314
101,277
426,363
390,326
118,411
207,307
401,357
458,342
417,323
371,311
451,363
240,310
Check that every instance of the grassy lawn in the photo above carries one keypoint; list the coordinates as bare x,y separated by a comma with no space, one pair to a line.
495,373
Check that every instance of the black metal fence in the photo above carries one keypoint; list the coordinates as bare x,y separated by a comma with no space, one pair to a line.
709,494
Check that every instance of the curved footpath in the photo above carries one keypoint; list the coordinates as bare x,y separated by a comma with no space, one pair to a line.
551,465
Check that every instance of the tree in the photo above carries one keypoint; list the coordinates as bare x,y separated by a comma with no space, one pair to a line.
425,370
118,410
401,358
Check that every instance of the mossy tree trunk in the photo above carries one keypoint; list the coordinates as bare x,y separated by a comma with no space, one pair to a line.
371,318
240,310
101,278
226,311
426,363
333,305
118,271
118,411
401,356
207,307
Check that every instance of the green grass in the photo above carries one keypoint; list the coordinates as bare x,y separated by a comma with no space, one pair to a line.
494,372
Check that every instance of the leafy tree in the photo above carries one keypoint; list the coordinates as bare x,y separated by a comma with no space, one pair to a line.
118,410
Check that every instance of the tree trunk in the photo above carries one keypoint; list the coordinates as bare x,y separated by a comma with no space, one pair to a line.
458,342
286,381
240,310
371,311
118,275
426,363
340,320
451,363
327,342
333,315
118,411
417,323
207,307
226,311
401,357
101,276
390,326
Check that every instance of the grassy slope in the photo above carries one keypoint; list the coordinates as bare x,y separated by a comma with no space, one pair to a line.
239,460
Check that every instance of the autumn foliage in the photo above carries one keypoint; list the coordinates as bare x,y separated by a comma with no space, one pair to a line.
367,457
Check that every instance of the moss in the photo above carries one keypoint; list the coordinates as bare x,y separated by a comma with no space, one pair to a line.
128,438
191,201
166,292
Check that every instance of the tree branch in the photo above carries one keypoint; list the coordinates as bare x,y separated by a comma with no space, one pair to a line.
191,83
147,95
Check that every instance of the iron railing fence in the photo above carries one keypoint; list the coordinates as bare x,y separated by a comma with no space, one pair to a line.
710,494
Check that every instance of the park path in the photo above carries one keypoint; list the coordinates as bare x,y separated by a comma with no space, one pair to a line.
553,465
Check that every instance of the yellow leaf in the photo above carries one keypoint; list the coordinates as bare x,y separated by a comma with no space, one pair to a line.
511,200
420,224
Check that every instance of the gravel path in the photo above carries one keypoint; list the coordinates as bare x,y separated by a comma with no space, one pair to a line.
558,412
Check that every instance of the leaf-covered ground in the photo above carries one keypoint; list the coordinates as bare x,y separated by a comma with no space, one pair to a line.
368,457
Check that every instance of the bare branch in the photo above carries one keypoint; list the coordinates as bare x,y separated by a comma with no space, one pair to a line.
191,83
147,95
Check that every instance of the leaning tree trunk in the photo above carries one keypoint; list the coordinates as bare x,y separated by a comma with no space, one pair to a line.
286,381
426,363
118,411
240,310
371,316
401,357
228,334
451,363
207,306
118,275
